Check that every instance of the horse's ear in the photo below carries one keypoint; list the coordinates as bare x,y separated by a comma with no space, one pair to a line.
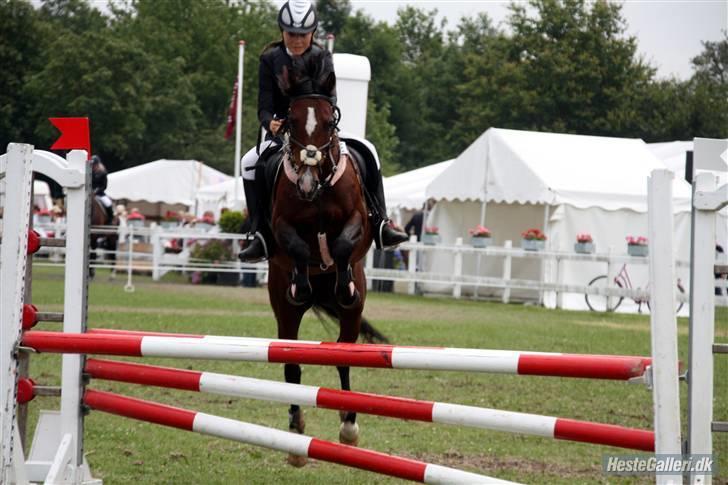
327,84
284,80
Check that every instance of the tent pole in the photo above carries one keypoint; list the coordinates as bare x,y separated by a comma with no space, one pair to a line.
483,210
546,210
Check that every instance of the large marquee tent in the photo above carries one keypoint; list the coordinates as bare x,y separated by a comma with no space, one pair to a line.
563,184
162,185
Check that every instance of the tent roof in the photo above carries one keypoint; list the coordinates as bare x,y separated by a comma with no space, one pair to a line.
672,153
224,191
407,190
528,167
167,181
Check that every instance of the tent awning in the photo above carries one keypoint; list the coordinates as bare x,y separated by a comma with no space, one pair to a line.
166,181
527,167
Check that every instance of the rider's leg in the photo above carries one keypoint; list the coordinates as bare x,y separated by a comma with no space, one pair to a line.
384,234
257,248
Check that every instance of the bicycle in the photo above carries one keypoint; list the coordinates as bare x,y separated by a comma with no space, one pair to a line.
601,303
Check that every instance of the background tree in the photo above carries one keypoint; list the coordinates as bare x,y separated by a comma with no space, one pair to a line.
333,15
156,77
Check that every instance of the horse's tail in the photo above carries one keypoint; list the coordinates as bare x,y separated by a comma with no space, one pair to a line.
370,334
367,331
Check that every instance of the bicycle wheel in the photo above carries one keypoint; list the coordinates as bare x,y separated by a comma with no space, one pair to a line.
598,303
680,304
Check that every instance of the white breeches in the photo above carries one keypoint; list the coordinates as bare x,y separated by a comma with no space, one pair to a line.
251,156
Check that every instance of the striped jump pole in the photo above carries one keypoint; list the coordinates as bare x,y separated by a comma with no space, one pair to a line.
395,407
284,441
339,354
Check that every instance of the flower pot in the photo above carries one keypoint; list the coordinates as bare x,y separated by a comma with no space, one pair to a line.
169,224
532,244
584,247
637,250
480,241
431,239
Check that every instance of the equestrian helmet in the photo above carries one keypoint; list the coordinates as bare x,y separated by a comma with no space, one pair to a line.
298,17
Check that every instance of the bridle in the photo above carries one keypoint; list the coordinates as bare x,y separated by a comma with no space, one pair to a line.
312,155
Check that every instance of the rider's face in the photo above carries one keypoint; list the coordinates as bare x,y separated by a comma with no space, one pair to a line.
297,43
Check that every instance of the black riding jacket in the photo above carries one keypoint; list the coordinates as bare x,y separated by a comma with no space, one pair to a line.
271,101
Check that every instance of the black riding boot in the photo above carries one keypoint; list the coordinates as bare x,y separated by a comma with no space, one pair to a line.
257,248
385,236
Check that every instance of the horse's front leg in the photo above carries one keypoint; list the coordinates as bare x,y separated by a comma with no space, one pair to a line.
346,292
348,332
300,292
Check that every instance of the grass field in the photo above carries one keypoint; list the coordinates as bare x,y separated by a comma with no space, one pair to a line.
121,451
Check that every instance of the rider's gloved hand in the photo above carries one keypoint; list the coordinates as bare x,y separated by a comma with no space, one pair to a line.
274,126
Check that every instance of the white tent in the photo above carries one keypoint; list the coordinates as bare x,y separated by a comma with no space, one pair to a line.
562,184
405,192
672,154
216,196
170,183
42,195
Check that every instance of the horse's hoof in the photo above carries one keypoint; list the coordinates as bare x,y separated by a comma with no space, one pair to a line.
297,460
301,297
349,301
349,433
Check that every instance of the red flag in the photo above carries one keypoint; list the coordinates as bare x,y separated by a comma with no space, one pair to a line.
232,111
74,134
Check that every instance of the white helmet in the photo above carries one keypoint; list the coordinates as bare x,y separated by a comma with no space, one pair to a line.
298,17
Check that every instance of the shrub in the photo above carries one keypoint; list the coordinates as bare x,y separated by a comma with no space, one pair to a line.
231,222
213,250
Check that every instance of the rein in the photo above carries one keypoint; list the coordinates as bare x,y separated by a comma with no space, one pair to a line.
312,155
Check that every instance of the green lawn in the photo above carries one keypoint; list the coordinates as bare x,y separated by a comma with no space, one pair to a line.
122,451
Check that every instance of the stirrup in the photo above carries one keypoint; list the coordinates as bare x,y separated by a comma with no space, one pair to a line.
379,239
259,236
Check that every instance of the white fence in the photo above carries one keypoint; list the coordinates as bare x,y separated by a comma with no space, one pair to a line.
157,261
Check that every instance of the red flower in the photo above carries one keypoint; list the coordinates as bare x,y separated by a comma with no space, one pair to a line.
534,234
480,231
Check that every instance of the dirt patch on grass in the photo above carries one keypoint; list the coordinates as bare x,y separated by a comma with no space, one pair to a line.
182,311
249,295
494,464
632,327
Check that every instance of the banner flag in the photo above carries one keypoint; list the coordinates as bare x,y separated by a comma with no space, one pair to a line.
230,128
74,134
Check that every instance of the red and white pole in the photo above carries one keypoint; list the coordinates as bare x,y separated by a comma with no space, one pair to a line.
340,354
395,407
284,441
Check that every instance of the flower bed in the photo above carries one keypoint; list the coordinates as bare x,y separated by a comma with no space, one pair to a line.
480,236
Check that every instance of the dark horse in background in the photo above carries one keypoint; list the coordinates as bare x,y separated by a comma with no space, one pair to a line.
102,215
320,224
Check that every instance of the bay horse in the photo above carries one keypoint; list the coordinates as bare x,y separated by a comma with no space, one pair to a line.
101,216
318,203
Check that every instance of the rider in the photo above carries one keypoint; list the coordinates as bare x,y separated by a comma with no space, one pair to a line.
298,21
99,181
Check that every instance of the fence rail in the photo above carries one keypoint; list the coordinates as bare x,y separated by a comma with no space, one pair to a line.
157,262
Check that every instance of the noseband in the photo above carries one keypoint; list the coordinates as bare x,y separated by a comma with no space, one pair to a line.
312,155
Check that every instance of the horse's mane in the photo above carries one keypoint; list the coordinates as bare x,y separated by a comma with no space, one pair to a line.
310,73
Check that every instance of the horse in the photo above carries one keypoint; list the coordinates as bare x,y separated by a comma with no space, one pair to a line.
318,203
101,216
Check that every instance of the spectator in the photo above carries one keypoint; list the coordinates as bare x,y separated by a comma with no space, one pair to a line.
414,226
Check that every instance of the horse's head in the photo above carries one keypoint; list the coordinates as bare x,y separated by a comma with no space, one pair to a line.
313,145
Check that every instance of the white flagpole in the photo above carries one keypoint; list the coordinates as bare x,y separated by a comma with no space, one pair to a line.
238,205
